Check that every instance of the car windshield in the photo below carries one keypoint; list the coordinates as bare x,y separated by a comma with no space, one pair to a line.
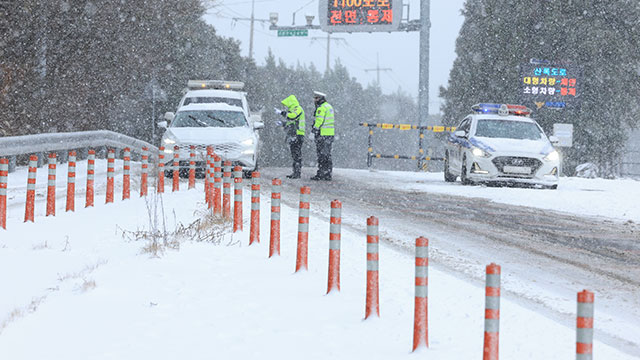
212,100
209,118
507,129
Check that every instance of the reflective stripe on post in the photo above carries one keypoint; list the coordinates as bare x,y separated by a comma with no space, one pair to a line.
176,168
335,224
584,326
111,171
372,302
126,174
31,188
216,187
492,313
145,172
71,182
254,232
420,317
160,178
91,174
303,229
192,167
237,199
274,240
51,185
4,176
226,195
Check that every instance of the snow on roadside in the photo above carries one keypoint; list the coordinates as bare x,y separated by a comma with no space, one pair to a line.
614,199
94,295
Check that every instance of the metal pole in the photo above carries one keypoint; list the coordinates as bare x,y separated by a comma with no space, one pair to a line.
423,89
253,3
328,51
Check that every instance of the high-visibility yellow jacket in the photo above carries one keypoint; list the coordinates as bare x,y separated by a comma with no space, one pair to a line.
295,116
325,120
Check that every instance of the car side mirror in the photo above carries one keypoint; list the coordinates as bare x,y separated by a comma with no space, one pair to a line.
169,116
554,139
258,125
460,134
163,124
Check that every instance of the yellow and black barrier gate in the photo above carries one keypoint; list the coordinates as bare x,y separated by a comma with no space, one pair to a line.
421,157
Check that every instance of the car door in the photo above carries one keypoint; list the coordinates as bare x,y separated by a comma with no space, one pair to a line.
455,158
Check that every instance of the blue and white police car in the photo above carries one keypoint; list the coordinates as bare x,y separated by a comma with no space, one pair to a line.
501,144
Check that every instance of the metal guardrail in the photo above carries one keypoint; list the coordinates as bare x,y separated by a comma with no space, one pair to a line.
29,144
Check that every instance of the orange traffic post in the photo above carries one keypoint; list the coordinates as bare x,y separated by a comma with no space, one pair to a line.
237,199
91,174
421,308
145,172
226,195
111,172
492,313
192,166
372,299
160,179
303,229
215,188
274,239
126,174
51,186
176,168
31,189
4,176
335,224
254,232
584,328
71,182
207,183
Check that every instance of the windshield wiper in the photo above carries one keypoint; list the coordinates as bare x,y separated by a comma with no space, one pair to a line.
216,119
202,123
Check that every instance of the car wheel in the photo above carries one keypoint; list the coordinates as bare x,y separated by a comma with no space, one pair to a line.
552,187
448,176
463,173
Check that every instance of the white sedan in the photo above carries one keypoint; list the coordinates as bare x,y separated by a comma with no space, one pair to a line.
501,144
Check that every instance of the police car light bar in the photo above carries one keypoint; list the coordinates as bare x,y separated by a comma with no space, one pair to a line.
501,109
215,84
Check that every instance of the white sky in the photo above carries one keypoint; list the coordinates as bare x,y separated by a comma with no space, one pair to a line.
398,51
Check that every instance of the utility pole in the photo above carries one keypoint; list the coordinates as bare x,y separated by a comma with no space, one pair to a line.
329,40
378,69
423,87
252,21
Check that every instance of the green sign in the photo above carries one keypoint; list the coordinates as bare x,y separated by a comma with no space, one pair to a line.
303,32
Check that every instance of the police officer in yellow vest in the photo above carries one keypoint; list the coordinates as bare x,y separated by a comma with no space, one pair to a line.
323,131
294,126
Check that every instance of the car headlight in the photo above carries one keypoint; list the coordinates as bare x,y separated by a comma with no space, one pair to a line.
553,156
248,152
480,153
169,141
248,142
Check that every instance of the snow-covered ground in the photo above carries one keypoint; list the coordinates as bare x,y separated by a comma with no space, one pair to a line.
75,288
613,199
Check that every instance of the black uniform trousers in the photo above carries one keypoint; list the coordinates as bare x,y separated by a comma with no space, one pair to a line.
295,145
323,150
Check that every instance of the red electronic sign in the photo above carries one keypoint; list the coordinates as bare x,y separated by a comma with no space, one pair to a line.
361,15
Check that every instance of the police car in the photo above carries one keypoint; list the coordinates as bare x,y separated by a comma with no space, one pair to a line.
501,144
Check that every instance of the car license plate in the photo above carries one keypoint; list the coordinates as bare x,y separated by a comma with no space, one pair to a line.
517,169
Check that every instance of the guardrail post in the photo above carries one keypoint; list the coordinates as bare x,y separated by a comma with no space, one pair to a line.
31,189
4,176
421,307
372,301
213,190
160,179
145,172
303,229
226,196
111,171
192,167
126,174
584,326
274,240
254,232
492,313
51,186
237,199
216,185
421,148
370,148
334,246
71,182
176,168
207,183
91,173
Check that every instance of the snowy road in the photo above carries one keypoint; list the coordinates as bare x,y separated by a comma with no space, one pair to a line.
547,255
